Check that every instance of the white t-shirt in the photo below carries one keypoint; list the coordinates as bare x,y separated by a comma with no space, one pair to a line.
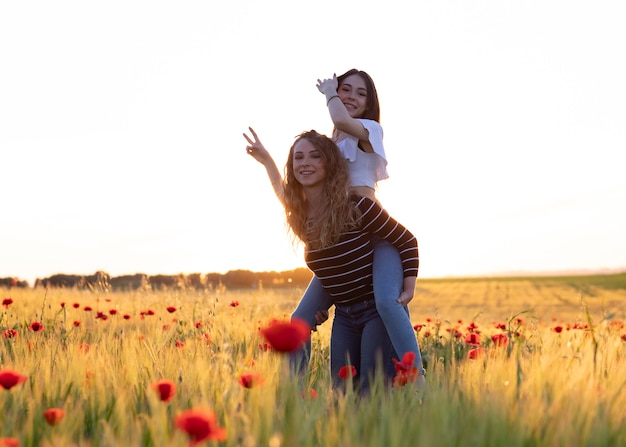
366,169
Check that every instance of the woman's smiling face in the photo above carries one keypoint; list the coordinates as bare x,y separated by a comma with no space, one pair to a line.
353,94
308,165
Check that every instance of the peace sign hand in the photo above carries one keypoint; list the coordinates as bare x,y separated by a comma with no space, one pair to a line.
255,148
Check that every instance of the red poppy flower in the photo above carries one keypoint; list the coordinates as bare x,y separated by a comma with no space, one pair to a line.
9,442
165,389
53,415
10,333
624,337
286,336
126,317
7,302
310,393
407,363
84,347
346,372
36,326
101,316
87,309
62,303
251,379
76,323
10,378
180,344
149,312
472,326
76,305
558,329
198,324
234,303
406,371
472,339
201,425
171,309
113,312
500,339
399,381
473,354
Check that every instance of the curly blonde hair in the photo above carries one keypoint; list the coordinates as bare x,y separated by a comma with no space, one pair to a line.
337,214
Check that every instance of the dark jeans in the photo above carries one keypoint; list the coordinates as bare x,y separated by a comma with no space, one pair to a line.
388,281
359,338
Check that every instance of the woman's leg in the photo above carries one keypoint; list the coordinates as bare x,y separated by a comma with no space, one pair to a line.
345,347
388,280
315,298
376,351
359,338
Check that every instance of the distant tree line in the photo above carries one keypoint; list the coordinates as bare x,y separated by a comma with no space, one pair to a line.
234,279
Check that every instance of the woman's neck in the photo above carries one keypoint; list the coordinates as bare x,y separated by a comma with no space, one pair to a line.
314,201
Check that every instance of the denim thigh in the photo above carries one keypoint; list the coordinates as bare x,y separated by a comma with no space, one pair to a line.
315,298
388,281
388,277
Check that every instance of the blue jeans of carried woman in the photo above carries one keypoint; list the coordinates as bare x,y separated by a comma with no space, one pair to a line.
388,281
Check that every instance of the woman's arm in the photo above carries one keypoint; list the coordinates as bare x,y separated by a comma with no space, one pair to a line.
377,220
260,154
339,114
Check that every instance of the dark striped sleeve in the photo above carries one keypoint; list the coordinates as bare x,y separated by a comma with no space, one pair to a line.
376,220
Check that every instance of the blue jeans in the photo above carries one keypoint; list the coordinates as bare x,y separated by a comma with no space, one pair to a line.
315,298
359,338
388,281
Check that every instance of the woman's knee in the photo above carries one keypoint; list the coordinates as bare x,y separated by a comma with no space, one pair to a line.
306,316
386,305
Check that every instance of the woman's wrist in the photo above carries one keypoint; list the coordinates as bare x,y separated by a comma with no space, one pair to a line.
329,98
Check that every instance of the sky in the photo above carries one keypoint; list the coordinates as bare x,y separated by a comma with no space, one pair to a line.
121,124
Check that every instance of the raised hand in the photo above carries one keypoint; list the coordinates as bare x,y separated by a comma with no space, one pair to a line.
328,87
255,148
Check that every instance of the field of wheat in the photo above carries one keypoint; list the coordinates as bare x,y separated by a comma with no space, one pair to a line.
510,361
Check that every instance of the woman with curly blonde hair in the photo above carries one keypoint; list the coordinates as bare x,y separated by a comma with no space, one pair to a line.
338,230
333,213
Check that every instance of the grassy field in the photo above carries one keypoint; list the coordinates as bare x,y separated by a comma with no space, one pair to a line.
546,369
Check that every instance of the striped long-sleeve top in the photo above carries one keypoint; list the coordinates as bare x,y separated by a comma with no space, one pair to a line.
345,269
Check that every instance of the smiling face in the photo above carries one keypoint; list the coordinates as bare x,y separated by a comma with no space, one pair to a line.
309,168
353,94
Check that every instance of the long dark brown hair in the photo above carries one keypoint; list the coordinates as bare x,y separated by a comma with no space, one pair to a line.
337,212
